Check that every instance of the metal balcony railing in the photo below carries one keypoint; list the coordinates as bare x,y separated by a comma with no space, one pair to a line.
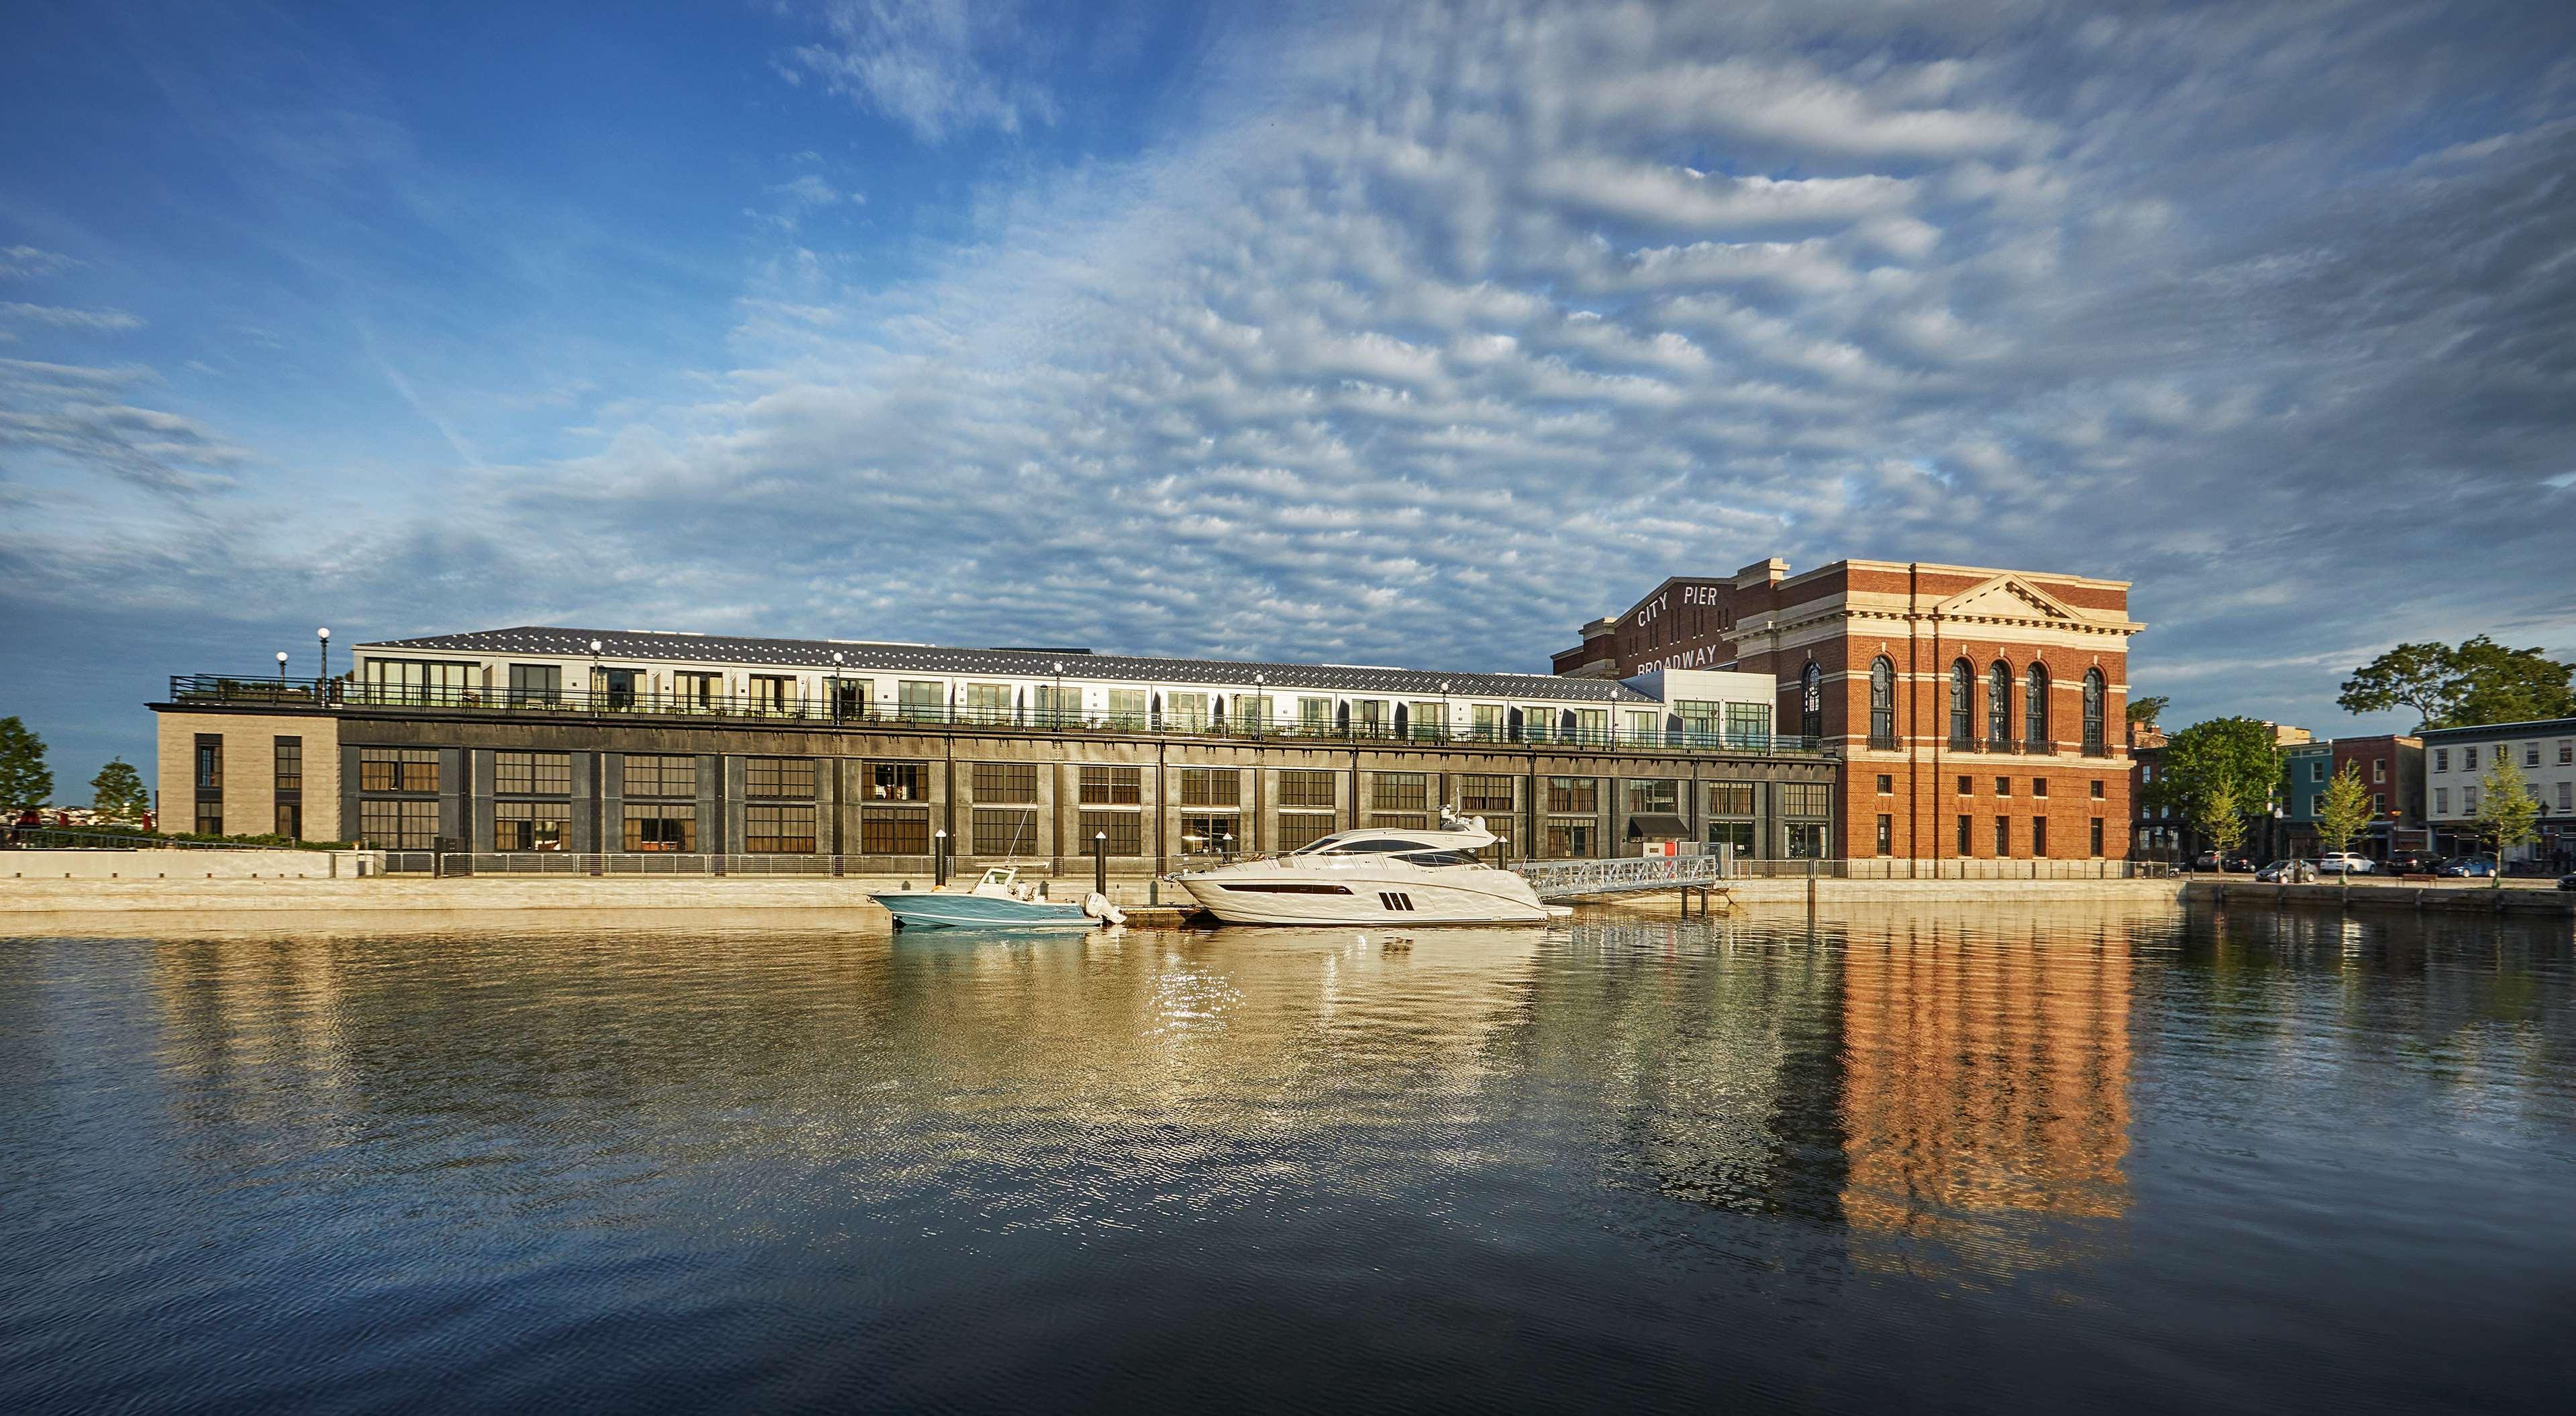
339,694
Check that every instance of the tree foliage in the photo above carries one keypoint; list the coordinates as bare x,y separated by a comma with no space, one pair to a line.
2507,811
2475,681
2220,815
2146,710
117,792
2343,812
2222,761
25,780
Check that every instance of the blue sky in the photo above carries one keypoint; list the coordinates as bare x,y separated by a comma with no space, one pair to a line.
1375,333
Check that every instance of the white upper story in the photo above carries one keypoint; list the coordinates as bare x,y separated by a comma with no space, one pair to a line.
853,680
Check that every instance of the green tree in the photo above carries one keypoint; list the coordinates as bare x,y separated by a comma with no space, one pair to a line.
2449,686
24,778
2220,815
2506,810
2501,685
2227,762
2344,811
2145,711
117,792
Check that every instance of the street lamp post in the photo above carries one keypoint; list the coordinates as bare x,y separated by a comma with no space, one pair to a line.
1261,702
322,685
281,674
1100,863
938,858
1055,705
836,685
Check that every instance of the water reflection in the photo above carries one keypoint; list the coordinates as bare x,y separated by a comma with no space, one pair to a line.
917,1170
1985,1091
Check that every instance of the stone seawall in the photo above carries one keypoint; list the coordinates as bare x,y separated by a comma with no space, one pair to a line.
183,864
2472,898
412,893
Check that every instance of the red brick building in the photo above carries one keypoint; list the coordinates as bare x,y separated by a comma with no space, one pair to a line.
1978,712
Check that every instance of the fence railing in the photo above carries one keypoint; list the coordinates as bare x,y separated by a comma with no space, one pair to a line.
50,839
1897,868
653,863
833,710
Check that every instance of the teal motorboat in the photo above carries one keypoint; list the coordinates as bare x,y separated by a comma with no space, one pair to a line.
1001,900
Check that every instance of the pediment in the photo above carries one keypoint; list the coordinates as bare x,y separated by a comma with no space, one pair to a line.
2009,597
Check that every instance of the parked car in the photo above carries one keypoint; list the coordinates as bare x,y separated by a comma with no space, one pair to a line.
2236,864
2470,868
2288,871
2413,863
2345,863
2567,882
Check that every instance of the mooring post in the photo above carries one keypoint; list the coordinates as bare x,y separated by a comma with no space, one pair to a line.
1100,864
1811,887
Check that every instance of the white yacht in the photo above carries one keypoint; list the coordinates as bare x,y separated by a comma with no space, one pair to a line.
1374,875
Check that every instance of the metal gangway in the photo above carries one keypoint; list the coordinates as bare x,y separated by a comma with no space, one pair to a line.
1573,879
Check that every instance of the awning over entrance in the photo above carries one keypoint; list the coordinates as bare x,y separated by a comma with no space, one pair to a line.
1658,826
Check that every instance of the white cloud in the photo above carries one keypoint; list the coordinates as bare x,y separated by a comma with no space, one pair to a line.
98,321
939,67
1445,329
21,262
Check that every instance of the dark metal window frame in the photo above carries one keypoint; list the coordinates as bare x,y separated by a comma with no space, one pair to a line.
778,778
661,774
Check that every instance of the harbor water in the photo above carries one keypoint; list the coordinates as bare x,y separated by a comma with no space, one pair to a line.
1963,1159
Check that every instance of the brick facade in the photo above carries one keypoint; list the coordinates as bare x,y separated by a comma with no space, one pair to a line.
1846,618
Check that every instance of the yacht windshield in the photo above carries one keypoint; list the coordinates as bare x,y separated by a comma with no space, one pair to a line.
1371,847
1439,858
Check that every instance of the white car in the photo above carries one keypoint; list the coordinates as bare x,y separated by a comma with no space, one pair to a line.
2344,862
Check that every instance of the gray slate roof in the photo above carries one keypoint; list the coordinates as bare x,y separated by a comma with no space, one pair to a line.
859,658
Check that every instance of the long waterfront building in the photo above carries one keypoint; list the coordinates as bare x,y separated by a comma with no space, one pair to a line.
592,741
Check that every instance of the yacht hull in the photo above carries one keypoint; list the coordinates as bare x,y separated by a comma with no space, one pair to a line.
1311,898
944,910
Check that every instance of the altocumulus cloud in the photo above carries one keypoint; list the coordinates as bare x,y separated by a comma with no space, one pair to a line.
1436,333
1464,325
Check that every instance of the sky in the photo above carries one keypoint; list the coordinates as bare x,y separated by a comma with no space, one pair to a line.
1374,333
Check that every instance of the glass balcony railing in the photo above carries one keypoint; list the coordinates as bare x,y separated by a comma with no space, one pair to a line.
830,709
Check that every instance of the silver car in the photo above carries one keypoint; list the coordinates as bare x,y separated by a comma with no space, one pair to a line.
2345,863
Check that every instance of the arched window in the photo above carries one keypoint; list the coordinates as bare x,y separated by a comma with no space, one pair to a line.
2093,713
1811,704
1158,712
1216,711
1882,703
1999,704
1962,723
2034,710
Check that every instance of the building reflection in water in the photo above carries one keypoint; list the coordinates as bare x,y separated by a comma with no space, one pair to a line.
1952,1099
1713,1049
1985,1101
